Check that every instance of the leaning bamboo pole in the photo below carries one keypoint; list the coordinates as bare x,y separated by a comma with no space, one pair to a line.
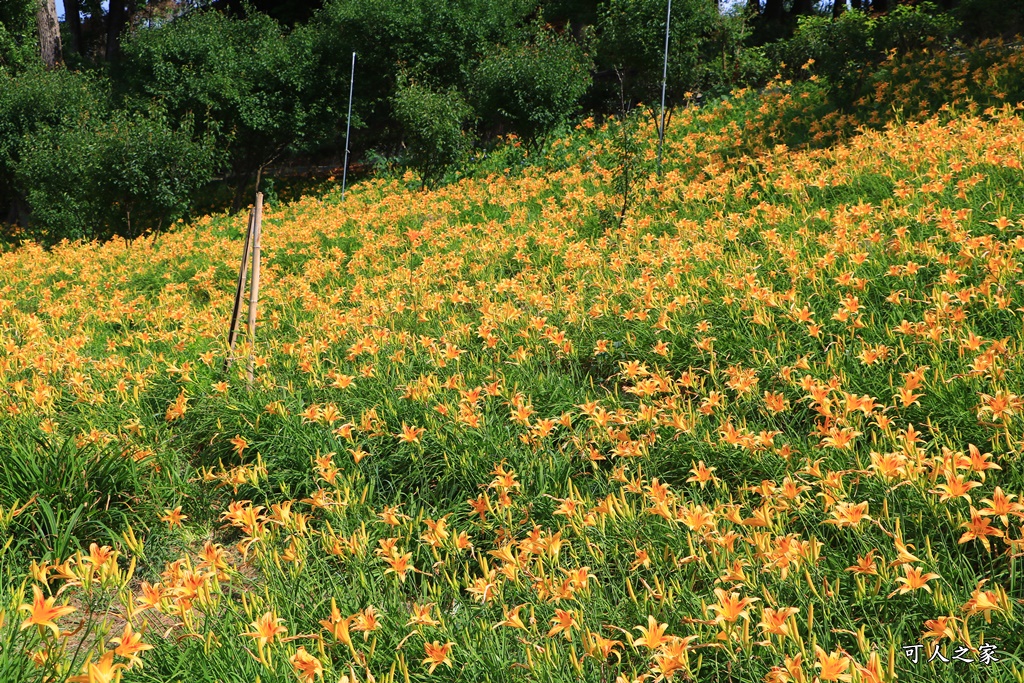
254,290
236,312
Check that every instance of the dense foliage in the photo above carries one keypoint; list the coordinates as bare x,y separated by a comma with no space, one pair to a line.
119,176
436,121
221,91
531,87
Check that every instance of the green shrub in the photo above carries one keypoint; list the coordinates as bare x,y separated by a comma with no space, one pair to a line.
436,41
726,62
34,101
242,74
17,35
908,28
532,87
116,177
844,50
434,122
632,41
837,48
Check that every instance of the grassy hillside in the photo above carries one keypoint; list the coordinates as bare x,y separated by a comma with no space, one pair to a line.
766,425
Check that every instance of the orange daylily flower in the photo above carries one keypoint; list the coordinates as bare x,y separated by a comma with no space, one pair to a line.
367,621
848,515
129,644
43,613
306,666
941,627
103,670
437,654
410,434
915,578
979,528
599,647
338,626
421,615
730,607
266,629
873,671
865,564
512,618
832,665
652,636
400,565
985,601
563,622
173,517
1002,506
773,621
955,487
702,474
791,672
239,444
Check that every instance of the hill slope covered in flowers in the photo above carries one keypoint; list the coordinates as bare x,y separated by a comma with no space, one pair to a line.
764,424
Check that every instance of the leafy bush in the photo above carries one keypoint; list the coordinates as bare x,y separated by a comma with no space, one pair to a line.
72,166
37,100
17,35
837,48
726,61
908,28
747,66
843,50
632,41
531,87
242,74
435,41
434,122
117,177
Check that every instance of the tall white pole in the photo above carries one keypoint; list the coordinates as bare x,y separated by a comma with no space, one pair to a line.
664,81
348,125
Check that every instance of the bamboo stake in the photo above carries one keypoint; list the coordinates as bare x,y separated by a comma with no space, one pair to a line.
236,312
254,289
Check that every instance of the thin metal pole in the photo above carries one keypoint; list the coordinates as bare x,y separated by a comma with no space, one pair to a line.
664,81
348,125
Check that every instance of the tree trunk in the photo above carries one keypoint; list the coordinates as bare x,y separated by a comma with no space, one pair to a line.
115,24
73,17
802,7
238,201
838,7
773,10
856,4
49,33
880,5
